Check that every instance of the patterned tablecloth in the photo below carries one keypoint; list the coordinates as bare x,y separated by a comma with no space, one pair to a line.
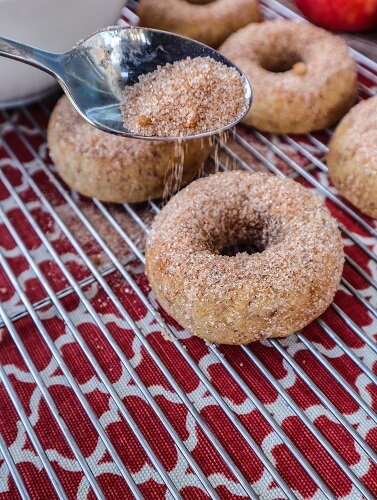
104,395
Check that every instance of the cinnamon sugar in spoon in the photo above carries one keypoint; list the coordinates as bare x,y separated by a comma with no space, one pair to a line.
95,72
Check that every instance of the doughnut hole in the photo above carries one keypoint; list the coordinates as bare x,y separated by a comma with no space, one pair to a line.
241,229
249,240
240,247
276,62
200,2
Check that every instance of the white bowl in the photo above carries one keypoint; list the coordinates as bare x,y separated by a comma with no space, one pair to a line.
53,25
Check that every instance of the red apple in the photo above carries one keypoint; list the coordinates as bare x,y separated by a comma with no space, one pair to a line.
340,15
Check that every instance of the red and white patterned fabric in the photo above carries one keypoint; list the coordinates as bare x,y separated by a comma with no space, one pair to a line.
121,383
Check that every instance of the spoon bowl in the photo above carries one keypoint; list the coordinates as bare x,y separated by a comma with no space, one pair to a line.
94,73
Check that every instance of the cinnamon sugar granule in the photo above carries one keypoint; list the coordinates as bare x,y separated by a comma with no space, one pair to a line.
188,97
299,68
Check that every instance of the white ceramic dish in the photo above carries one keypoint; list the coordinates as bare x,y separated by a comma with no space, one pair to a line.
54,25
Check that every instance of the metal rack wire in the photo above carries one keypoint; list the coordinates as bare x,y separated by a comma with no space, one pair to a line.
92,270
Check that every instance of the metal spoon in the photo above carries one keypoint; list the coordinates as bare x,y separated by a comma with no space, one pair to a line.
94,73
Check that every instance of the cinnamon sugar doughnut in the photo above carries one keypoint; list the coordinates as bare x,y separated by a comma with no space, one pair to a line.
241,298
352,158
208,21
118,169
303,77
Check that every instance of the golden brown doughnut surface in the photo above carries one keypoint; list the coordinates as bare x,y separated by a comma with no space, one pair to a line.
114,168
242,298
303,78
209,22
352,158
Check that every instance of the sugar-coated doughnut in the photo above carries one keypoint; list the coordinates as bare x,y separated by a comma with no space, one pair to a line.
237,299
208,21
352,157
114,168
303,77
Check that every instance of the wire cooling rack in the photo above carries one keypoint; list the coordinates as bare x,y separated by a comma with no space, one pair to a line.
104,396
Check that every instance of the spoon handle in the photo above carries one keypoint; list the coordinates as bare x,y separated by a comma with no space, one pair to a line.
46,61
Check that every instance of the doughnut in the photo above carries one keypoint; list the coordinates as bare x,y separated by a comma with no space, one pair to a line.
352,157
118,169
303,77
200,274
208,21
